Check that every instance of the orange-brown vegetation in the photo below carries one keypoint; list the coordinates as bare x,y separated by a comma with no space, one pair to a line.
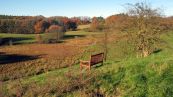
94,24
35,59
45,57
97,24
37,24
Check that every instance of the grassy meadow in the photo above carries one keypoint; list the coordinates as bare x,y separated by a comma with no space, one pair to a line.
52,70
97,48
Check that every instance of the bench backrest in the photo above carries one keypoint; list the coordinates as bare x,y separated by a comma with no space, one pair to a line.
98,58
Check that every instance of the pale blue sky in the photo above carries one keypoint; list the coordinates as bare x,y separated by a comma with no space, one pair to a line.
72,8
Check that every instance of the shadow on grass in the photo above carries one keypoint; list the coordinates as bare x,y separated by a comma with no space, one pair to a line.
73,36
13,41
66,37
157,51
13,58
98,65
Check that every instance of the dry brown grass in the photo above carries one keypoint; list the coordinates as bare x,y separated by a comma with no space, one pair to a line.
51,56
84,26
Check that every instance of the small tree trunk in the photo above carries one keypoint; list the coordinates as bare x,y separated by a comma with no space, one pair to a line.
105,45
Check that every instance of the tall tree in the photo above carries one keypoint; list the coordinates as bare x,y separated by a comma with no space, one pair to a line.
145,27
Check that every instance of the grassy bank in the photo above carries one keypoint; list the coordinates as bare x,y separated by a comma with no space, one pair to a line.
122,75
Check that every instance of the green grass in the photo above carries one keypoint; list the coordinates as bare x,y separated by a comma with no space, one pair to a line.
30,38
20,38
122,75
81,32
140,77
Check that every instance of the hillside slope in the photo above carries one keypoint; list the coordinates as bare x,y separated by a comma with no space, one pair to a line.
122,75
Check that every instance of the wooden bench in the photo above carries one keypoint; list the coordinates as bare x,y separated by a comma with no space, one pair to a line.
94,59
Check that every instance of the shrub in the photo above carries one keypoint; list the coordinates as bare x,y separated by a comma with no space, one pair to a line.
71,25
53,34
97,24
117,22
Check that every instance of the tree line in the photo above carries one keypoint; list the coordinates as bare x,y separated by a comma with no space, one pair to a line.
121,22
38,24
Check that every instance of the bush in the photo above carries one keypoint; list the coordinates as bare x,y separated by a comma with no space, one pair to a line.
97,24
70,25
50,37
53,34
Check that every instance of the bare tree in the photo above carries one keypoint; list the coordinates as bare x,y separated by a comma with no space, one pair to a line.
144,27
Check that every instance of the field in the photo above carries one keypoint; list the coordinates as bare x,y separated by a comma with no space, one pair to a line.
44,57
86,49
53,69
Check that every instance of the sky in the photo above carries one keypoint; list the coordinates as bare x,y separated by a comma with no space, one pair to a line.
71,8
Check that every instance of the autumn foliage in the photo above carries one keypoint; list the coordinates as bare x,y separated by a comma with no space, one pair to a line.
111,20
40,26
54,34
36,24
97,24
53,28
117,22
